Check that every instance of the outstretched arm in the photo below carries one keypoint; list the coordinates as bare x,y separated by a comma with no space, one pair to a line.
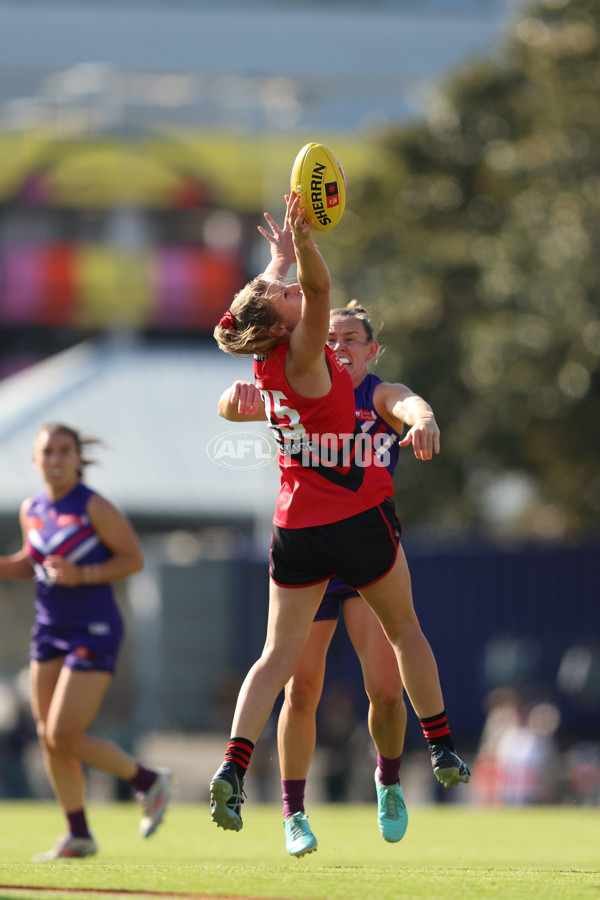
310,334
400,406
242,402
281,242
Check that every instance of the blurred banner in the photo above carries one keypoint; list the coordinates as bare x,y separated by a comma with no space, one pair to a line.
93,285
139,233
177,169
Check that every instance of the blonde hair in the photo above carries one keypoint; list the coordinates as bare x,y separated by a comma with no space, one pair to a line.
245,331
356,311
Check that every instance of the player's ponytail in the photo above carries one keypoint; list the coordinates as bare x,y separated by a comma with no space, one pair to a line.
244,330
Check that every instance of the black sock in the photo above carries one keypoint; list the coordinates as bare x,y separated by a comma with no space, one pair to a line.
437,731
238,755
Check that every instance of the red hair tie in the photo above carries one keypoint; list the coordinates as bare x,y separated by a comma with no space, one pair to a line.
228,321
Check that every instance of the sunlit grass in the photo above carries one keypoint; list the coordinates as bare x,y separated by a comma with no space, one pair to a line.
451,852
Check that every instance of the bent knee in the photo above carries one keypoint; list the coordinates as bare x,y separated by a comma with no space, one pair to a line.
62,741
302,695
386,703
40,727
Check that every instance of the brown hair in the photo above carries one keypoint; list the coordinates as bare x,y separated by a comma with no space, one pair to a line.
246,331
80,442
356,311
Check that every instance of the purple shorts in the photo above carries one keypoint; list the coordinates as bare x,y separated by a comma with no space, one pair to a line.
86,648
333,599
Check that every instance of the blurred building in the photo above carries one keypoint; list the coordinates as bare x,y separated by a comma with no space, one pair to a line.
250,66
140,142
165,457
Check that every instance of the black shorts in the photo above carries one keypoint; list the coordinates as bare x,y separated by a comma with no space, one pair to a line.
360,550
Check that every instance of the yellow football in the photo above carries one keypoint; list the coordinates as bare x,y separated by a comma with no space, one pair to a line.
319,181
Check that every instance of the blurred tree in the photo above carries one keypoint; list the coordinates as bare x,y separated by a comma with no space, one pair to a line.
476,242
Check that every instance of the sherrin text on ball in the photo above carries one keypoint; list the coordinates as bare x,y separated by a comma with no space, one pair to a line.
319,181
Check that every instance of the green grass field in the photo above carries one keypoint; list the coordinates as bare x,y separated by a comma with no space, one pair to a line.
449,852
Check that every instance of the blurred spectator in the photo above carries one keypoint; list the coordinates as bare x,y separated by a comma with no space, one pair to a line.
583,768
16,732
518,761
502,708
528,757
338,720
